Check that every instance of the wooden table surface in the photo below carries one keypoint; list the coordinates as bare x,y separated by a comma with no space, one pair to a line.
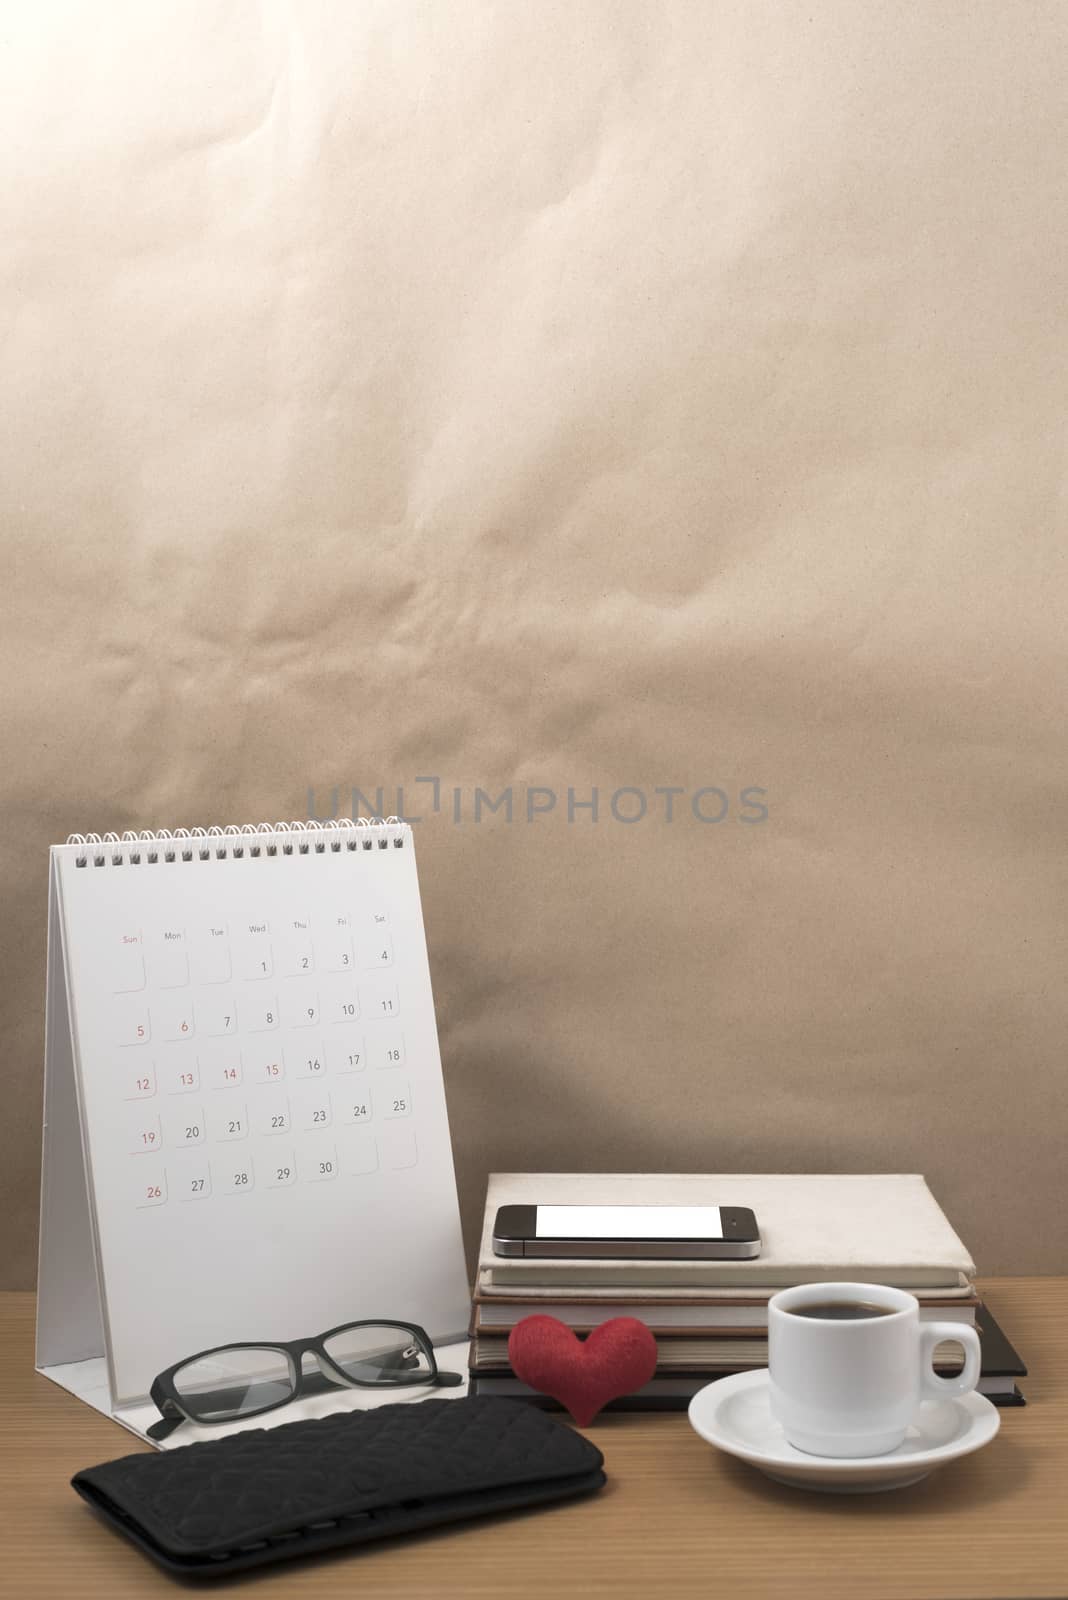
677,1518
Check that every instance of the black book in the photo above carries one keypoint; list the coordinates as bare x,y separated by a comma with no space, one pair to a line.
672,1391
1002,1364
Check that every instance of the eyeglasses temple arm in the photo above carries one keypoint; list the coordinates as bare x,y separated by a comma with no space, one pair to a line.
164,1428
447,1380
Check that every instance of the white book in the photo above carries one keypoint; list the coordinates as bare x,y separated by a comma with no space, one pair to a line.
494,1314
870,1227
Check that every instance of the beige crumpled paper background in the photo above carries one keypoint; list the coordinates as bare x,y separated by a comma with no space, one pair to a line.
572,395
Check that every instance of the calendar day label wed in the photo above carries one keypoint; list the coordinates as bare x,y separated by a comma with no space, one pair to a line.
253,950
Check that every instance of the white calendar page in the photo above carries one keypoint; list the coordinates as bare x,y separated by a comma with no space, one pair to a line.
262,1114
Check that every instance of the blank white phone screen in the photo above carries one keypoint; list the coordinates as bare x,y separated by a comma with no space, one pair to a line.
628,1222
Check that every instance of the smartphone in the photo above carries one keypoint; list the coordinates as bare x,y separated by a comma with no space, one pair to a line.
692,1233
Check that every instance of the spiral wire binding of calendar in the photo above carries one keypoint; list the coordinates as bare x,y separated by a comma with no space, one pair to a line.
235,842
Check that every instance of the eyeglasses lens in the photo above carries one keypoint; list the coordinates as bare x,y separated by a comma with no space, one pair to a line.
377,1353
234,1383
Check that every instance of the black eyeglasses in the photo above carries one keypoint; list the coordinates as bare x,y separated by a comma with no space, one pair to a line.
245,1380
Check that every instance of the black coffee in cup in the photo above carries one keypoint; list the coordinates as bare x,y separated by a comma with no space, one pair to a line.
841,1310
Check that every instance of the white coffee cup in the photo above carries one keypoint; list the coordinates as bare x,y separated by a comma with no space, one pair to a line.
851,1387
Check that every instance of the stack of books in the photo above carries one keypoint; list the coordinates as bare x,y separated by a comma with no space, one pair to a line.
710,1318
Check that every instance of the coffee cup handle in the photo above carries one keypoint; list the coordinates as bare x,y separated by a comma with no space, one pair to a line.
936,1333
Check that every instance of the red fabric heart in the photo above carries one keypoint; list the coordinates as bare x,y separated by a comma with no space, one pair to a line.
616,1358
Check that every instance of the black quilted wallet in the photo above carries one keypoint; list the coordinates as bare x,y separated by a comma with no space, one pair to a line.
206,1510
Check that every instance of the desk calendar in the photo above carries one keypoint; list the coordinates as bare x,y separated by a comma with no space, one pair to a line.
245,1125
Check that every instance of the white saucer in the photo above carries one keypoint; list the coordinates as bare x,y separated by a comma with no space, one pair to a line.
734,1414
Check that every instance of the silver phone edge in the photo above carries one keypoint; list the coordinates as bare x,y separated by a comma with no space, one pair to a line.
629,1249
